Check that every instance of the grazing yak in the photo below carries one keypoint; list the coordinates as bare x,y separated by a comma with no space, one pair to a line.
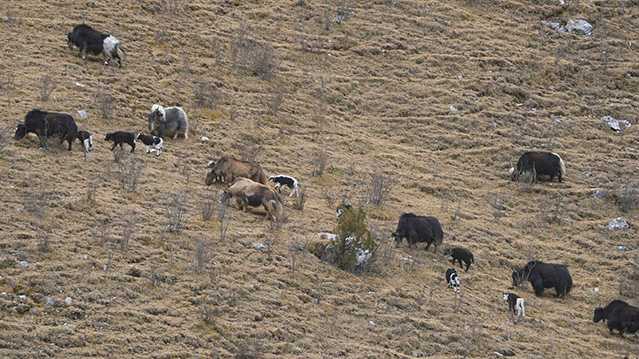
93,42
248,193
536,164
619,315
462,255
515,304
151,143
120,138
544,275
227,169
168,122
453,279
280,181
86,139
418,229
48,124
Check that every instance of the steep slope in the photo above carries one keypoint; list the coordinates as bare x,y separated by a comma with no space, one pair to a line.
441,96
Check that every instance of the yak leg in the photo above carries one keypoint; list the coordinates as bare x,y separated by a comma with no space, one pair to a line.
114,145
132,147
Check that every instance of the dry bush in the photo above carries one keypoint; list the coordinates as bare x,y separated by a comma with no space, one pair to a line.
208,313
208,207
331,198
628,197
104,103
172,7
248,350
5,139
175,211
36,204
130,169
249,55
250,152
343,12
43,241
92,189
300,200
200,256
223,217
379,189
128,230
319,162
629,284
47,86
205,95
276,101
161,37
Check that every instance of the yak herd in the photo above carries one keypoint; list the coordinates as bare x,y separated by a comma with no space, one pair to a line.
249,186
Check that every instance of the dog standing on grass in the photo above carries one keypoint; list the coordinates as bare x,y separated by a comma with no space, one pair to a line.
280,181
151,143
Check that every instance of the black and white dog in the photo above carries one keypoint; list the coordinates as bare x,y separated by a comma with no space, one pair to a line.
280,181
453,279
151,143
121,137
515,304
87,142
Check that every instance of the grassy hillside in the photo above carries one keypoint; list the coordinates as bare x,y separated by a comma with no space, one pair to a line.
440,96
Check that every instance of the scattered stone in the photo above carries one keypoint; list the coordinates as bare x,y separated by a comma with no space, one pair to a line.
83,114
618,223
600,194
579,27
621,248
505,353
452,109
615,124
23,264
204,139
68,301
22,308
260,247
23,298
49,301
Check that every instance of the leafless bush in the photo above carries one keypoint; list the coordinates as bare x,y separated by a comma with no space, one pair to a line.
43,242
381,257
331,198
161,37
379,189
205,95
129,172
222,216
176,210
248,350
47,86
36,203
104,102
276,102
319,161
5,139
208,208
208,313
128,230
628,198
629,284
201,256
249,152
250,55
343,13
172,7
300,200
109,263
92,189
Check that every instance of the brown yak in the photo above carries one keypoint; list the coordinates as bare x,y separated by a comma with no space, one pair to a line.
248,193
227,169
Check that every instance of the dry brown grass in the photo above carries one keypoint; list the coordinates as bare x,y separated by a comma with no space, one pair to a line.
441,96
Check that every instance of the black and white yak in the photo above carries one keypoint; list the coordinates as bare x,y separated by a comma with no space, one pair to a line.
86,139
151,143
515,304
168,122
535,164
120,138
91,41
280,181
453,279
48,124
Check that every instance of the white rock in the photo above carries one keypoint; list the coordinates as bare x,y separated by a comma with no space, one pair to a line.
83,114
204,139
614,124
23,264
618,223
68,301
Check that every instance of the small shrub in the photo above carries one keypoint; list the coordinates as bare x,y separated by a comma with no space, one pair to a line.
319,162
205,95
222,216
47,86
92,189
104,103
161,37
629,284
43,242
5,139
36,203
201,256
276,102
379,189
172,7
129,172
175,211
128,230
208,208
628,197
250,55
300,200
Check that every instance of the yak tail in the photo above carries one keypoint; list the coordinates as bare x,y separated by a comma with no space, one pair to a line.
562,166
186,125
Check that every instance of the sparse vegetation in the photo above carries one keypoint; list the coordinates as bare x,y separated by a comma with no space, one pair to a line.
104,103
129,172
379,189
250,55
47,86
319,162
206,95
175,212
